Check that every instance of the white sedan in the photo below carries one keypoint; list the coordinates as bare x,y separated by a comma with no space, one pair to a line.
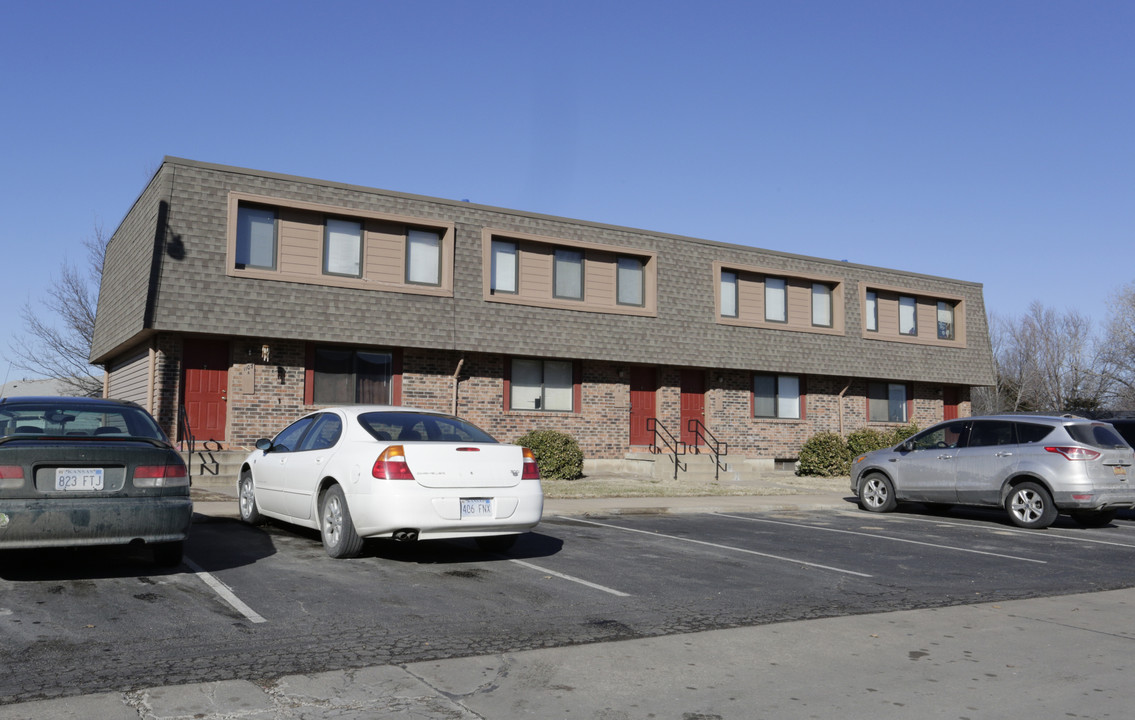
375,471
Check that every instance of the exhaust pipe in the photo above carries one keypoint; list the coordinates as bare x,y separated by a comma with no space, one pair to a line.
407,535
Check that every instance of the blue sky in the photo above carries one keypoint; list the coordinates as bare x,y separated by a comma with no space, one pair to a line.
987,141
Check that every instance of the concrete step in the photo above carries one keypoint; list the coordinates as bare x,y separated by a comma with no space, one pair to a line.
214,468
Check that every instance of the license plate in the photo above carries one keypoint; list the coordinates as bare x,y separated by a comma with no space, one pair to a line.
1119,470
476,507
78,479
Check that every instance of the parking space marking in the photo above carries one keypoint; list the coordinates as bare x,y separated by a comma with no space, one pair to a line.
884,537
227,595
716,545
571,578
1048,532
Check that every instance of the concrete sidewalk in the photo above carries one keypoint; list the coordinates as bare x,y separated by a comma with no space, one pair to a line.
1048,657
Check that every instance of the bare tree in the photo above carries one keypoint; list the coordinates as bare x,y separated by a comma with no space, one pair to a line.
1051,362
56,342
1119,341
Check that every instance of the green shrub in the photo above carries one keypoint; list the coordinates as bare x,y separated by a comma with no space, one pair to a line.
902,433
826,455
557,454
866,440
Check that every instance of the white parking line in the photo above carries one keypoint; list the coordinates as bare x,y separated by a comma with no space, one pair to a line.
884,537
1047,533
226,594
573,579
721,547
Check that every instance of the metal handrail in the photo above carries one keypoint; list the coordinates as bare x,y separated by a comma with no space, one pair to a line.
671,443
702,433
184,432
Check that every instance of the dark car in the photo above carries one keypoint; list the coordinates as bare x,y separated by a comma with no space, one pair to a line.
88,471
1125,426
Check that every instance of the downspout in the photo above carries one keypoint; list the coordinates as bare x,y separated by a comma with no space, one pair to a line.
456,382
839,404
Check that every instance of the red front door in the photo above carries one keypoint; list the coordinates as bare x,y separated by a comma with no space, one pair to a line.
643,385
693,402
205,381
949,403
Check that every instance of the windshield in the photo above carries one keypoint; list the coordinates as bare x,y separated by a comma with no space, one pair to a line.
1100,435
418,427
78,420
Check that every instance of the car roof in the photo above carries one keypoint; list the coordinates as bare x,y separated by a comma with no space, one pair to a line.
72,401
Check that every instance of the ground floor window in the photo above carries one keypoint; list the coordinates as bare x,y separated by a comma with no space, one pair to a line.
776,396
343,376
541,385
887,402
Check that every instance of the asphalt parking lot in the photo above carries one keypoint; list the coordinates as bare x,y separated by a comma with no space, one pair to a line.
261,602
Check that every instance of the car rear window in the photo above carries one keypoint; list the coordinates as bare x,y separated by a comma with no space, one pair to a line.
77,420
418,427
1099,435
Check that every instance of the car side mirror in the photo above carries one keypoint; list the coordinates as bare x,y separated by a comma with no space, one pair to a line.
264,444
907,446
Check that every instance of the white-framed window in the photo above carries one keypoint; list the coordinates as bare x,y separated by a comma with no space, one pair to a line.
567,274
255,238
945,320
541,385
423,257
776,305
908,315
728,293
887,402
629,288
504,271
343,247
776,396
821,305
871,311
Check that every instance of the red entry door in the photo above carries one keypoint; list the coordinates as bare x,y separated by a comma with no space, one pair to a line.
949,403
693,402
205,380
643,386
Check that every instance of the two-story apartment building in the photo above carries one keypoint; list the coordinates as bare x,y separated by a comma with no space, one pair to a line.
248,298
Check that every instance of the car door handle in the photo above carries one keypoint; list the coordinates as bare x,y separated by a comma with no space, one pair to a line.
945,457
1004,454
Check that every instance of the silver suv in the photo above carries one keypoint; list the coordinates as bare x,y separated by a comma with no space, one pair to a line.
1033,466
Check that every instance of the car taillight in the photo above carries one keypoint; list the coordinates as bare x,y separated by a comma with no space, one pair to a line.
172,475
1073,453
531,469
391,465
11,476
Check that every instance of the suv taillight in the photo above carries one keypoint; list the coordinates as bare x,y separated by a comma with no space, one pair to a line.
391,465
531,469
1073,453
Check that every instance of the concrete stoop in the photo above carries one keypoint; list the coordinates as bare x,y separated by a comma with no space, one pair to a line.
692,466
214,468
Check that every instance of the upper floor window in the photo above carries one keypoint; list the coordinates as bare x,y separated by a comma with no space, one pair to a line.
504,267
776,396
541,385
871,311
343,376
728,293
567,274
423,257
908,315
343,247
629,278
821,305
256,237
776,305
945,320
887,402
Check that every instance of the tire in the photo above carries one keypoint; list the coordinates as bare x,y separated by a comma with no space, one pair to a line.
1094,518
877,493
246,500
335,525
169,554
496,543
1030,506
